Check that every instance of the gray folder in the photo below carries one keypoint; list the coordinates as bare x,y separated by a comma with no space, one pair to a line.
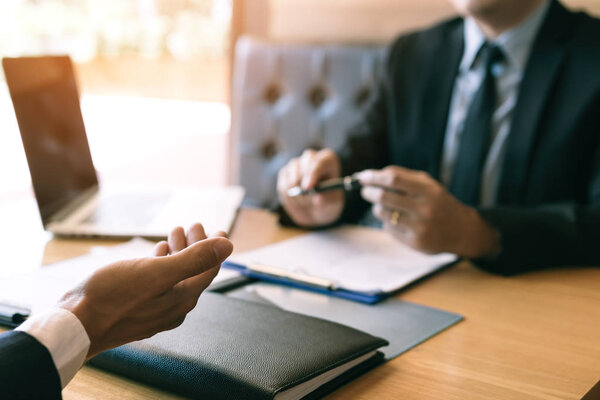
404,325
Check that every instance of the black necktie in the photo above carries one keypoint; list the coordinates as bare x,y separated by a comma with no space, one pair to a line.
475,142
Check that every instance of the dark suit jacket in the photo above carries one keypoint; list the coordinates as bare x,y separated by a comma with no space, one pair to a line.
26,369
549,195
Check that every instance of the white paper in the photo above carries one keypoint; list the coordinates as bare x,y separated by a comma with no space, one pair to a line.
41,289
354,258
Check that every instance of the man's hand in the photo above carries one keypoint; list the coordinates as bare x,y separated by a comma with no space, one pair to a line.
135,299
420,212
307,171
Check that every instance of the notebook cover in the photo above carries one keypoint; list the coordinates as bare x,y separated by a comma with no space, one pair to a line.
229,348
403,324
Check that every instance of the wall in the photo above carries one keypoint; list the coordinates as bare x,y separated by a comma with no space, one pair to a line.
353,20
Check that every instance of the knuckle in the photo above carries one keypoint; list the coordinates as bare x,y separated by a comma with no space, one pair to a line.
426,212
308,154
423,175
378,211
437,190
389,179
291,165
383,196
189,304
326,152
175,322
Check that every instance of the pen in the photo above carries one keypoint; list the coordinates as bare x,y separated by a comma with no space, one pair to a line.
12,316
346,183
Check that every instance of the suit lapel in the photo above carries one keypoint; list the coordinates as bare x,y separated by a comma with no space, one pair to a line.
436,102
547,57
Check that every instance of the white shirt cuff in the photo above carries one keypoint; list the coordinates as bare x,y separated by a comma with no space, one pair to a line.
61,332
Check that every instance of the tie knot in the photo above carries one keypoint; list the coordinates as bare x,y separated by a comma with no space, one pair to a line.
491,54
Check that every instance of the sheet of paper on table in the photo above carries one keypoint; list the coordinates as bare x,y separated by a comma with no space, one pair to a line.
42,288
353,258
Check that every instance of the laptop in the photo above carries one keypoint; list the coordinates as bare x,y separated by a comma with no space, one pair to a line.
71,203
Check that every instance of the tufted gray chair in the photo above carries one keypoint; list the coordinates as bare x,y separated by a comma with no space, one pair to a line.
286,98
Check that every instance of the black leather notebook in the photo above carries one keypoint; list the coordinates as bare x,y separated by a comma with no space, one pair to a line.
232,349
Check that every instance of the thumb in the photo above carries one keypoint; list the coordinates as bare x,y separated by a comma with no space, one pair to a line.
326,165
196,259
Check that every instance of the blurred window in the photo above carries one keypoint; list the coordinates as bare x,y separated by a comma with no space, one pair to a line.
153,74
145,47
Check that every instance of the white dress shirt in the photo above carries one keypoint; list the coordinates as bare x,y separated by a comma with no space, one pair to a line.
64,336
516,45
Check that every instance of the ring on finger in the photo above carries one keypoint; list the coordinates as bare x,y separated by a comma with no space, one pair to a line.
394,218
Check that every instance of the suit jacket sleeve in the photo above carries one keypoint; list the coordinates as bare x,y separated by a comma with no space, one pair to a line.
534,236
26,368
547,236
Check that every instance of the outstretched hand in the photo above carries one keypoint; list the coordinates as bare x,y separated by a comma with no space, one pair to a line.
135,299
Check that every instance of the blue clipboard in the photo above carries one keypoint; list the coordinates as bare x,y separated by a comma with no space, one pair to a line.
362,297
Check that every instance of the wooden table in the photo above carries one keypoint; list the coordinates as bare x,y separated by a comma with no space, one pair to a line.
535,336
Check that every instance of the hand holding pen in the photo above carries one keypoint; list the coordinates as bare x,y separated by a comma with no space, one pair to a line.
346,183
306,172
311,190
413,206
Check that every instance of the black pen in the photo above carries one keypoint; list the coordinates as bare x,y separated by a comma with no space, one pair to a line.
347,183
12,316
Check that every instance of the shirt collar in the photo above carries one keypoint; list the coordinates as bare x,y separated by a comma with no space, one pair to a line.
516,42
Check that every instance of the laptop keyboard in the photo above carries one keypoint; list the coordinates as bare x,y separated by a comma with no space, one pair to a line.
132,209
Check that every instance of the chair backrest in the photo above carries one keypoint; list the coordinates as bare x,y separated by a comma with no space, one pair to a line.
286,98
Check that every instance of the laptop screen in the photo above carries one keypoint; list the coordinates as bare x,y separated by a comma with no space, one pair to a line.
46,102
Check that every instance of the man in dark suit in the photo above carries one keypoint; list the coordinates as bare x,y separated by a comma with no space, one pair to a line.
125,301
483,140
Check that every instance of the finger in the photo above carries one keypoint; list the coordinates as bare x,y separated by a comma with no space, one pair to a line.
395,218
195,259
397,178
389,199
305,164
177,240
195,233
161,249
219,234
194,286
289,177
325,165
327,198
285,178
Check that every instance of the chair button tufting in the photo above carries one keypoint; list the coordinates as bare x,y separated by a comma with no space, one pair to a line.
362,96
272,94
269,149
316,146
317,96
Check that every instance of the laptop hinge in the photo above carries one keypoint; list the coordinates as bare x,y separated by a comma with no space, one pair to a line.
74,204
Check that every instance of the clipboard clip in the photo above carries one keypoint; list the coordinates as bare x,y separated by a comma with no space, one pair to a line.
292,276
